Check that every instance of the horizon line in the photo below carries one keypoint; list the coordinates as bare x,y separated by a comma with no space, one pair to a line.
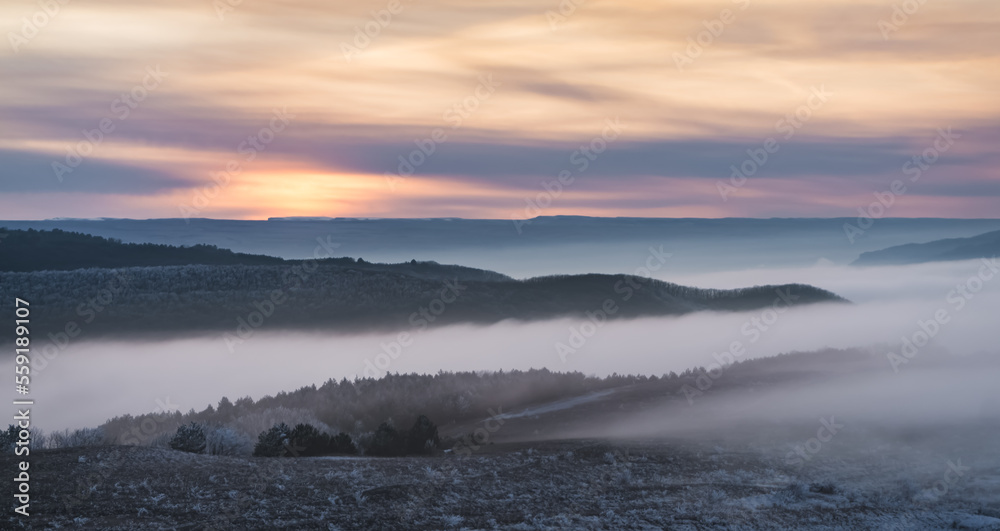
507,220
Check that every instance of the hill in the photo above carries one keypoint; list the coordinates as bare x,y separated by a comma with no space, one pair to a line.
59,250
458,401
982,246
225,298
117,288
535,449
542,245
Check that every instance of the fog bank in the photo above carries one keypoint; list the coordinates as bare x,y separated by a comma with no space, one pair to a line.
91,381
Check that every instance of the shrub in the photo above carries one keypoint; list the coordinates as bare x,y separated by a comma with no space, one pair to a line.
77,438
189,438
255,421
386,441
342,444
306,440
271,443
303,440
423,436
222,440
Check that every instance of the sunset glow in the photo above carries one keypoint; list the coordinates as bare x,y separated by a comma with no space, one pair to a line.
511,90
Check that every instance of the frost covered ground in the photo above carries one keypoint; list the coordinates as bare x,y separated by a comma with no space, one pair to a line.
861,479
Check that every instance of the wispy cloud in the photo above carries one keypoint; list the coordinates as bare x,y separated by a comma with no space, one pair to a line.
609,59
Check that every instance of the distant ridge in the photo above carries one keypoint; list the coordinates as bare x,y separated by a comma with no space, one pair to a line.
542,245
58,250
982,246
204,288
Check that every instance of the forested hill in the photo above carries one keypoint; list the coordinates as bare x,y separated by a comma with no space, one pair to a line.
453,400
982,246
222,291
219,299
58,250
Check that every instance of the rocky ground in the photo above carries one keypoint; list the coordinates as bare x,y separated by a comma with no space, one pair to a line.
583,484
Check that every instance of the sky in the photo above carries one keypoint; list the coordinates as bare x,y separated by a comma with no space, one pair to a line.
499,109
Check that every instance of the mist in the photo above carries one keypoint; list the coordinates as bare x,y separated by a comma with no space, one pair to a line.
545,245
109,378
914,399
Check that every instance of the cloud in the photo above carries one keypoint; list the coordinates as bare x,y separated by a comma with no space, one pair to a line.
32,172
558,85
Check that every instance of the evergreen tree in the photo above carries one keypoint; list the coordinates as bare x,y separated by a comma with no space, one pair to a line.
189,438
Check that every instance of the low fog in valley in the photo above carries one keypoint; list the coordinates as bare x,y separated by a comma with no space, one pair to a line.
888,304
